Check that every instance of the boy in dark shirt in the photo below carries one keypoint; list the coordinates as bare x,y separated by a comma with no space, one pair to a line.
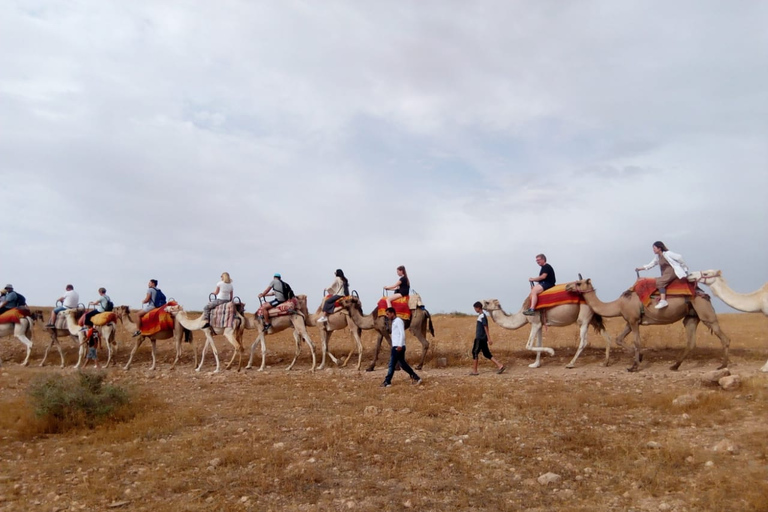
482,340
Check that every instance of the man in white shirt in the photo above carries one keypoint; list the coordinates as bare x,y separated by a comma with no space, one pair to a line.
69,301
398,350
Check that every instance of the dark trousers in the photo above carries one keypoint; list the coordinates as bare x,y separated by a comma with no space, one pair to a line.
481,345
398,356
328,305
88,317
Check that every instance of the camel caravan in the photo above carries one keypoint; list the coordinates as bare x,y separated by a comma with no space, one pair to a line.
675,297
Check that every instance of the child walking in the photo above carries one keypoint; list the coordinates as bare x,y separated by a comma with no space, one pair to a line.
482,340
93,340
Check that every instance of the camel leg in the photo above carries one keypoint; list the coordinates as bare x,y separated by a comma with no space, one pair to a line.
238,352
22,338
420,332
252,350
690,323
724,340
607,339
209,342
177,342
311,346
136,346
376,351
582,343
359,342
54,341
325,338
764,369
297,340
154,350
535,334
635,328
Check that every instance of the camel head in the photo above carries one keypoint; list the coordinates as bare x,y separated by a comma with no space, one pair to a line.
37,314
122,311
580,286
351,302
174,309
704,276
491,304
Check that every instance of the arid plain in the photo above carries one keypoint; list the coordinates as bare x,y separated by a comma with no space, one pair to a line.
334,440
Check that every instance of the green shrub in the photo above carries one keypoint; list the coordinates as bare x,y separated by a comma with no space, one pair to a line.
61,403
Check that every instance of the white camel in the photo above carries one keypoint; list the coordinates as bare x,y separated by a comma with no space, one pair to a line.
55,333
107,333
556,316
22,331
747,302
178,331
280,323
336,321
234,335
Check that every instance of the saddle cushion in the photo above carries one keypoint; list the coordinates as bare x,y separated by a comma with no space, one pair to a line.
224,315
402,308
645,288
336,305
157,320
288,307
557,296
14,316
100,319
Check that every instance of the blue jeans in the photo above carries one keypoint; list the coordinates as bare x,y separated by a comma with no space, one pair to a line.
398,356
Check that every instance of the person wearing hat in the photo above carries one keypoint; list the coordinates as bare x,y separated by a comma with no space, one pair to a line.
278,290
224,293
10,300
337,290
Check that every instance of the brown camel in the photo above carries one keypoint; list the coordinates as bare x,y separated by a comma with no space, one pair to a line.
177,333
336,321
234,335
556,316
420,323
280,323
630,307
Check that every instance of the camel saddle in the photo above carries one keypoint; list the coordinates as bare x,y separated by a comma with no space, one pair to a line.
14,316
556,296
223,315
289,307
61,319
645,288
107,317
336,305
156,320
401,306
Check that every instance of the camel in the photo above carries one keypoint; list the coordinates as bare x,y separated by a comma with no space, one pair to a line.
107,332
690,310
124,315
23,332
280,323
55,333
420,322
747,302
336,321
556,316
234,335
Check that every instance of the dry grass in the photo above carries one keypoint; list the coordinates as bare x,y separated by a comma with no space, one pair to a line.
334,440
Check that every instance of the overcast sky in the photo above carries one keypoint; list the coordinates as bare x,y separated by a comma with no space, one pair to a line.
177,140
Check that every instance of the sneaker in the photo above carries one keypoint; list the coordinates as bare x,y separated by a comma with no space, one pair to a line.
662,304
416,382
136,334
385,384
529,312
501,370
322,319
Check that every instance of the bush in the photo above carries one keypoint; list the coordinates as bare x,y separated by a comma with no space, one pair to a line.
61,403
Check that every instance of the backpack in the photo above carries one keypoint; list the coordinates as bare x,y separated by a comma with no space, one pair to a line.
20,300
110,305
160,299
287,291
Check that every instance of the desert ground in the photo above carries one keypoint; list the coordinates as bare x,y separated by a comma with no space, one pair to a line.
591,438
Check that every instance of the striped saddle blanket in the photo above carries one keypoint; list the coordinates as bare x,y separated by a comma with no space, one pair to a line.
402,309
104,318
157,320
14,316
645,288
557,296
224,315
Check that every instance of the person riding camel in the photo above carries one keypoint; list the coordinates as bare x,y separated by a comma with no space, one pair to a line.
672,267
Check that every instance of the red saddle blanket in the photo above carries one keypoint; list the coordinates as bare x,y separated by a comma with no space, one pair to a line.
100,319
14,316
402,310
157,320
288,307
337,304
646,287
557,296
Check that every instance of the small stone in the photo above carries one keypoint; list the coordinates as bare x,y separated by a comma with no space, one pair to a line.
713,377
726,446
665,506
653,445
684,400
278,446
350,504
408,504
244,499
215,462
549,478
730,382
371,410
709,464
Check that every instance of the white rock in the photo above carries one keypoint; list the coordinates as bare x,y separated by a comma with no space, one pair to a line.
712,378
215,462
278,446
709,464
730,382
726,446
549,478
371,410
653,445
684,400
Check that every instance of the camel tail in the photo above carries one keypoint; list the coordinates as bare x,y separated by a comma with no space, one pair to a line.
597,323
187,336
429,324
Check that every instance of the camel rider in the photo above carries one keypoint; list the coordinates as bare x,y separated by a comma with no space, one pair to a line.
401,288
100,306
149,303
69,301
672,267
224,293
544,281
10,300
278,290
